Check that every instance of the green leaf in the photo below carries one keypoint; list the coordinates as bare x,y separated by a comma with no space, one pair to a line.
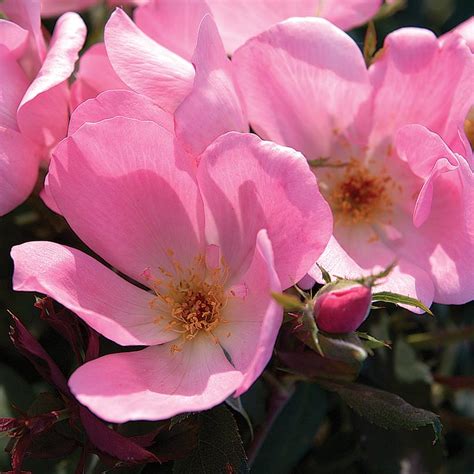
408,368
371,342
288,302
385,409
219,446
395,298
236,405
293,431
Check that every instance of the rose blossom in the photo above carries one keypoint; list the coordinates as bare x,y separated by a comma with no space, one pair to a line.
210,242
306,85
34,94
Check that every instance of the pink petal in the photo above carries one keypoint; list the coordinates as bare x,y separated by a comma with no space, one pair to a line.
26,13
249,184
12,88
156,383
443,243
95,75
431,79
13,38
240,20
348,13
214,105
130,194
144,65
466,30
51,8
19,160
121,103
303,81
254,319
43,112
106,302
174,27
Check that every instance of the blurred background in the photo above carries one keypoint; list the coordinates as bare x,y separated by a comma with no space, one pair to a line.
430,364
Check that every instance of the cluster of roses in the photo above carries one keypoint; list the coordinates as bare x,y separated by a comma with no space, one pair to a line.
151,162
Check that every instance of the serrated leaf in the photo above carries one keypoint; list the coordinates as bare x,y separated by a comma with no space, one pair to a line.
219,446
395,298
385,409
288,302
179,418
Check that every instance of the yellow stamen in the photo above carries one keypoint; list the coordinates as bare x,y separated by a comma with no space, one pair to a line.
194,298
360,196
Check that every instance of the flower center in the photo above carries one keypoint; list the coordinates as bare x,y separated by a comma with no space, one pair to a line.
358,196
192,299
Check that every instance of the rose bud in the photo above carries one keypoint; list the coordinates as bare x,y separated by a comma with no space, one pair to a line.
342,307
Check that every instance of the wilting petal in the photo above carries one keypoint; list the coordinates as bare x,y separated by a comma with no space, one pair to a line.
95,75
254,319
249,184
443,242
214,105
144,65
418,79
130,194
156,383
303,81
19,160
106,302
43,112
119,103
174,27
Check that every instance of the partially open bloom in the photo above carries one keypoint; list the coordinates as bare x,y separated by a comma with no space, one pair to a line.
306,85
209,242
342,307
34,94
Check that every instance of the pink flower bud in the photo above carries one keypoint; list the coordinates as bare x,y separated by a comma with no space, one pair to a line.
342,307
